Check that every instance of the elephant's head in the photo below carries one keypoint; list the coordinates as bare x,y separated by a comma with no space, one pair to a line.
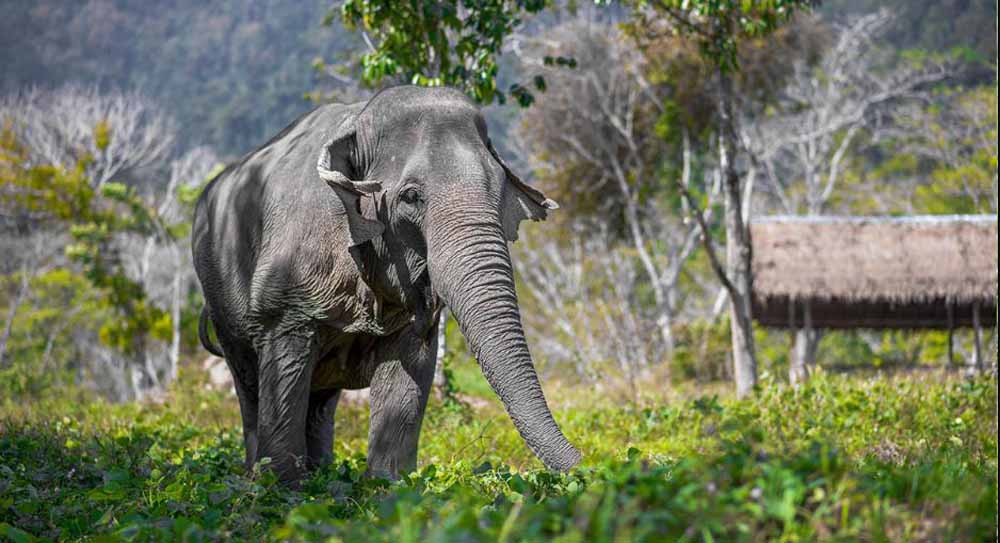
446,205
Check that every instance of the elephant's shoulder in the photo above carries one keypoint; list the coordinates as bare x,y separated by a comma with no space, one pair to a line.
290,156
314,126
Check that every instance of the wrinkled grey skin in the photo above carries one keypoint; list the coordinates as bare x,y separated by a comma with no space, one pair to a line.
326,256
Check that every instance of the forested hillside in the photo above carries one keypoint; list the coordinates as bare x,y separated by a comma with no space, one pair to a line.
932,26
231,72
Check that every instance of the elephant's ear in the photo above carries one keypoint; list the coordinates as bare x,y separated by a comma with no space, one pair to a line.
334,166
520,200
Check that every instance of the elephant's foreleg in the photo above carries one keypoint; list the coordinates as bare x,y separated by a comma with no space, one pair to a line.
319,426
399,391
286,365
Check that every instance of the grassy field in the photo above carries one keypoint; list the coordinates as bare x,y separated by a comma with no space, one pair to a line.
909,458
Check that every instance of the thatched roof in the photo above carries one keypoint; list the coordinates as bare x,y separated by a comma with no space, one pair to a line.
875,261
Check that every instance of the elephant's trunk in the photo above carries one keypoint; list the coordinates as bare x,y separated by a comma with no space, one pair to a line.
471,270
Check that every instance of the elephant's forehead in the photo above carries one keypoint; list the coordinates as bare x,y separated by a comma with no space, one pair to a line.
431,153
410,117
433,138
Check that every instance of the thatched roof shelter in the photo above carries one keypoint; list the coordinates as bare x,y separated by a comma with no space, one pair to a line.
875,272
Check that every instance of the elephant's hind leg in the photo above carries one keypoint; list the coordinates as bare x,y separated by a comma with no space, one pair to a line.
319,426
286,365
242,362
399,391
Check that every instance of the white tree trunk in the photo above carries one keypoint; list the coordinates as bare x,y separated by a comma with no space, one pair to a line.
440,378
951,334
175,322
22,291
741,324
738,251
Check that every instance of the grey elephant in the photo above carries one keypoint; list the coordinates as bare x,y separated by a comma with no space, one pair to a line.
326,256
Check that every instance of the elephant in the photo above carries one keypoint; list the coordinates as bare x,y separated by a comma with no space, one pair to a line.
327,255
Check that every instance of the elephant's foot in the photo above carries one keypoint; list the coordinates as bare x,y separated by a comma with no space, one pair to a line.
319,427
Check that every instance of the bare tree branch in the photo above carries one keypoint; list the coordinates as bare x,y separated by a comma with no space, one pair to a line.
59,128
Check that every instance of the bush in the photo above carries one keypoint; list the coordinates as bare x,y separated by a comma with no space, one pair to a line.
839,459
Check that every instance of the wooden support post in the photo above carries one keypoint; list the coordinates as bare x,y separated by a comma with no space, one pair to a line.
977,355
793,334
807,316
951,333
803,352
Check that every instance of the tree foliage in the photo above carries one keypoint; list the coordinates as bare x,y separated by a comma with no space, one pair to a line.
432,43
955,142
718,27
94,216
63,207
857,95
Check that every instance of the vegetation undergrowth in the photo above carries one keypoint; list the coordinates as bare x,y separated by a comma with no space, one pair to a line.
909,458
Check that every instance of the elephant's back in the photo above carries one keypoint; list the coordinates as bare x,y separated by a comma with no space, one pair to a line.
250,206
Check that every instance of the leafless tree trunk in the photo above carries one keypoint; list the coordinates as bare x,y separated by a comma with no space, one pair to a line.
587,318
57,330
177,300
163,270
824,109
441,379
442,350
950,307
22,291
738,251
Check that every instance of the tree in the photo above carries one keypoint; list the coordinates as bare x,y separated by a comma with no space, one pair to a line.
819,117
719,27
162,265
231,73
948,146
590,318
99,230
431,43
593,141
63,126
825,109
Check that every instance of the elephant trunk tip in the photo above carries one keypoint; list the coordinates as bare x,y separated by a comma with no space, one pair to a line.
563,459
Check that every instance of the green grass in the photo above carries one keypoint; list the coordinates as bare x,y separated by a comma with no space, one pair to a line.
842,459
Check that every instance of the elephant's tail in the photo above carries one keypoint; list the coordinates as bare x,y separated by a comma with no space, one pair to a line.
206,341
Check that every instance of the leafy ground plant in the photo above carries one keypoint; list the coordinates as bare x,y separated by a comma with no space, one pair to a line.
841,459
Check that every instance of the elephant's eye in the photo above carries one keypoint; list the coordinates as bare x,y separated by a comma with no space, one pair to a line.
410,195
